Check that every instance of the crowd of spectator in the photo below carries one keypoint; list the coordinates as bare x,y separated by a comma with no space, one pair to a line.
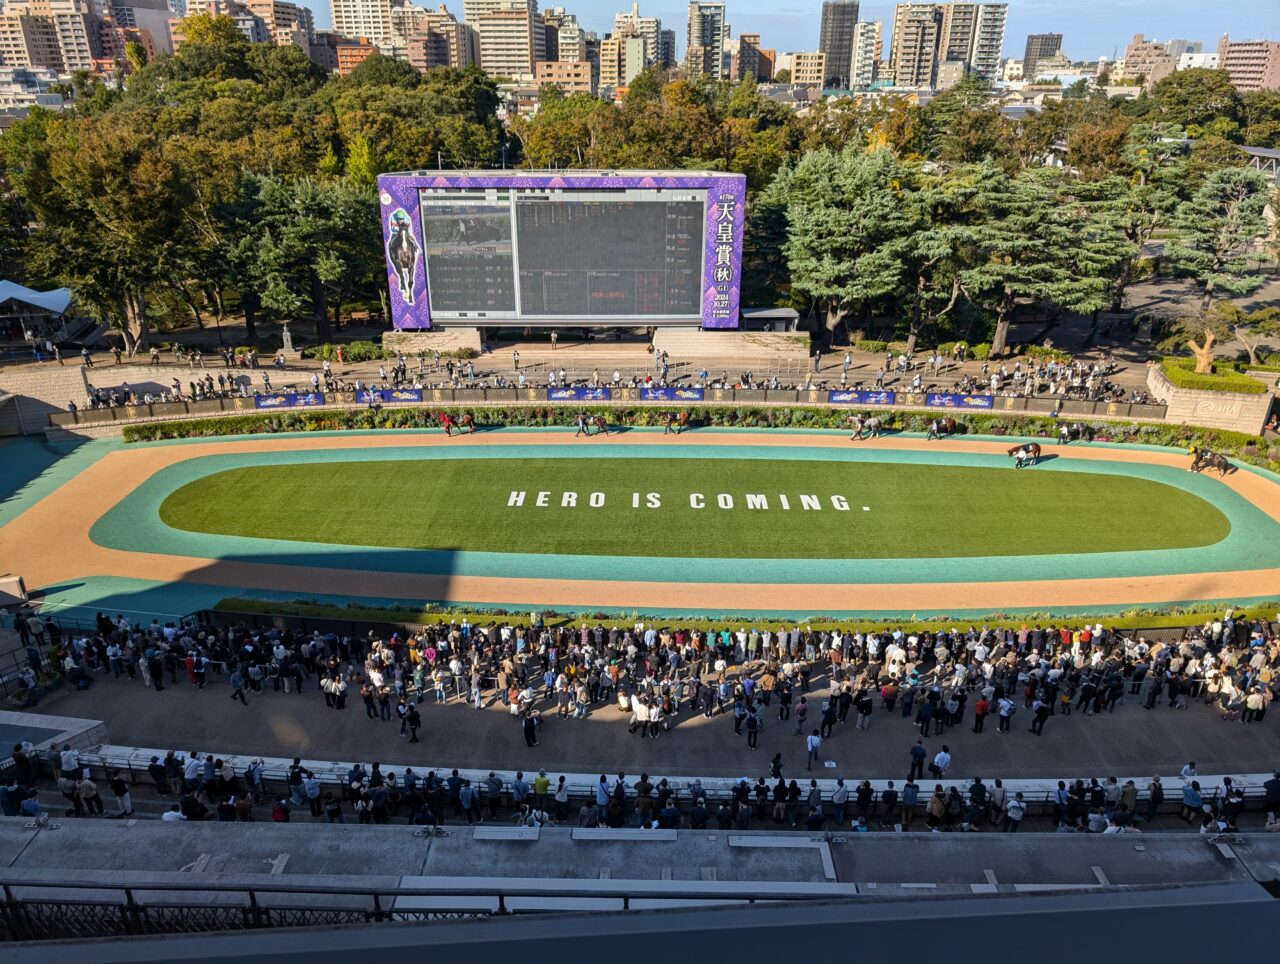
814,680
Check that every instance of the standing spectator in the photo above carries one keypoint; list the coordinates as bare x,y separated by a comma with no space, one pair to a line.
88,793
941,762
120,790
918,756
311,787
812,743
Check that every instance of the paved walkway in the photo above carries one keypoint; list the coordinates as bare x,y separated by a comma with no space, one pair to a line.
1130,742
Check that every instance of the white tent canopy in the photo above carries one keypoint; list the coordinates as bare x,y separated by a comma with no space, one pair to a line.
55,302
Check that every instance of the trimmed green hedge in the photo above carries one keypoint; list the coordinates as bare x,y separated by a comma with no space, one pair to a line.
364,612
1181,372
1246,448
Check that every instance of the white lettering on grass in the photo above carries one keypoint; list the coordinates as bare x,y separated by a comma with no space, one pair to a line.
516,500
757,502
569,500
596,500
808,502
840,503
541,501
635,500
653,500
786,506
724,500
696,501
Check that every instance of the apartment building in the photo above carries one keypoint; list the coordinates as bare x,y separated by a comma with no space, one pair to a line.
512,39
1251,64
836,38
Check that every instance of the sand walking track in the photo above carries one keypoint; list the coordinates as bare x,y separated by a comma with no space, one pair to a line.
50,544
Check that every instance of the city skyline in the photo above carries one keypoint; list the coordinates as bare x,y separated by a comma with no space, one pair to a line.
1090,28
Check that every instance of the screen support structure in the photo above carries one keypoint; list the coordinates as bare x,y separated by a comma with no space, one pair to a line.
723,224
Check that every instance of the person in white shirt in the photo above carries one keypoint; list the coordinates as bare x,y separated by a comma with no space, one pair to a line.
942,761
172,814
812,743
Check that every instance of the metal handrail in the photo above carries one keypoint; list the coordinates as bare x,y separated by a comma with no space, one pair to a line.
604,889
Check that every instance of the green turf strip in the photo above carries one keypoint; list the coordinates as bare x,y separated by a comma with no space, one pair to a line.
912,511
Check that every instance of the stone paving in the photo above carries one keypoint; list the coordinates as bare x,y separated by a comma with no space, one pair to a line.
1132,742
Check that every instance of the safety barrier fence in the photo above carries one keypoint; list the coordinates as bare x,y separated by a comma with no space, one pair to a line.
1038,794
51,909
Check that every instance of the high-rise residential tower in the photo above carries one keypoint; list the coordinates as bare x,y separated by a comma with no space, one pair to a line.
707,31
1040,46
866,53
648,28
913,51
363,18
835,39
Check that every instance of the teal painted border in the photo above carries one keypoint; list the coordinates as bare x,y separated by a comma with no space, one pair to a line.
134,525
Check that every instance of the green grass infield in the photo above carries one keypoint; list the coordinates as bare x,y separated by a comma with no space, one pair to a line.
690,508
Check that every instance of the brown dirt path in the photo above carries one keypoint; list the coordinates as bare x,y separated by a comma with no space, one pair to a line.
49,543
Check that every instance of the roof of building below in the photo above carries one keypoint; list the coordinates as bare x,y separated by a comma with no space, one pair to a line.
56,301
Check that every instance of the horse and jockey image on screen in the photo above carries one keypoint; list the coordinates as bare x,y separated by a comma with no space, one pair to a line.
402,253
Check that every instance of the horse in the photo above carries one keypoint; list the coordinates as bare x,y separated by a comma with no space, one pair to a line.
674,424
1029,452
946,427
871,425
468,423
402,252
598,421
1211,460
1074,432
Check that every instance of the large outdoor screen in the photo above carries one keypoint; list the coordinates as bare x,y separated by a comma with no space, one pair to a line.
546,248
582,257
576,254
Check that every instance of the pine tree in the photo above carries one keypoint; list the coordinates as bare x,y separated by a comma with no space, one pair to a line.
1219,231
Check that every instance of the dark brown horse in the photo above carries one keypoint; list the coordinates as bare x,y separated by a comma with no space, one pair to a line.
1212,460
467,423
1030,453
600,424
946,428
674,424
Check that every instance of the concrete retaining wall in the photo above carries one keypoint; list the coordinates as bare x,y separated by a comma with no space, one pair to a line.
38,391
1231,411
443,340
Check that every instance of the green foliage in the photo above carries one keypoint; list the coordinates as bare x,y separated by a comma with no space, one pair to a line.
845,219
871,347
980,352
1218,229
1196,98
1181,372
380,70
1046,354
432,615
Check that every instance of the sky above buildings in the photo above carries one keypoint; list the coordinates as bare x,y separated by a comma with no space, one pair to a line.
1089,28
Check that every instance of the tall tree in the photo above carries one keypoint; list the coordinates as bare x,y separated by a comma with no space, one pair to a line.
845,224
110,206
1021,249
1195,98
1219,233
